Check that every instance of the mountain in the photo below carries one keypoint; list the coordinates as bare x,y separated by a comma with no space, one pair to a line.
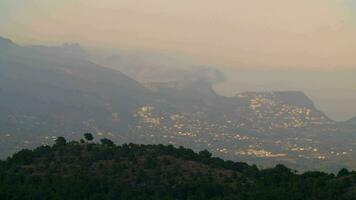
259,111
50,90
287,109
265,128
351,121
46,90
5,43
148,67
106,171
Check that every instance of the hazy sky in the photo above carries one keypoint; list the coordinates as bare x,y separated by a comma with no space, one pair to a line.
252,34
249,33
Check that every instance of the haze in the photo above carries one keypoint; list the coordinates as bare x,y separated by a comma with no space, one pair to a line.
261,44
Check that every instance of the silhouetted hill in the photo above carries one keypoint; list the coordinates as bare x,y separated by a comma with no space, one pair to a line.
130,171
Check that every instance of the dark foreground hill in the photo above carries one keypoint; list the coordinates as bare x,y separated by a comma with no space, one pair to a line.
105,171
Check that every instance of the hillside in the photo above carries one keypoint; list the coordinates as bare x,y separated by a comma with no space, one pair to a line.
263,128
46,90
287,109
56,83
86,170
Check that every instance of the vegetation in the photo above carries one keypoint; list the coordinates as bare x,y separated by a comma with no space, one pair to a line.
77,170
88,136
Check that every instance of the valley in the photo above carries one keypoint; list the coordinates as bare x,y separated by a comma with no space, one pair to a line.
43,96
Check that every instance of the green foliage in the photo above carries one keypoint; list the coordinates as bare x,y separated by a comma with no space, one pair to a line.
107,142
88,136
343,172
205,155
151,172
60,141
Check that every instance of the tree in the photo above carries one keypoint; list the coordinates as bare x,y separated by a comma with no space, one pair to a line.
24,157
205,154
343,172
60,141
107,142
88,136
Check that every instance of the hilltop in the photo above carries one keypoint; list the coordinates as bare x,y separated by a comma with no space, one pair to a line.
87,170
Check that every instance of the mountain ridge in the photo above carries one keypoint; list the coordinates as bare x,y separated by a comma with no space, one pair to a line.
351,121
43,93
6,41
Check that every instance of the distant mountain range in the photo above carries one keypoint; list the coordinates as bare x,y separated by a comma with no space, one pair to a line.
47,91
255,110
351,121
57,84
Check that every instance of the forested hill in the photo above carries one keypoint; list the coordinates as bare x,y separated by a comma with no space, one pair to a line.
88,170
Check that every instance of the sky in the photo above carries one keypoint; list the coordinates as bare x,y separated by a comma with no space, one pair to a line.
250,33
314,37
